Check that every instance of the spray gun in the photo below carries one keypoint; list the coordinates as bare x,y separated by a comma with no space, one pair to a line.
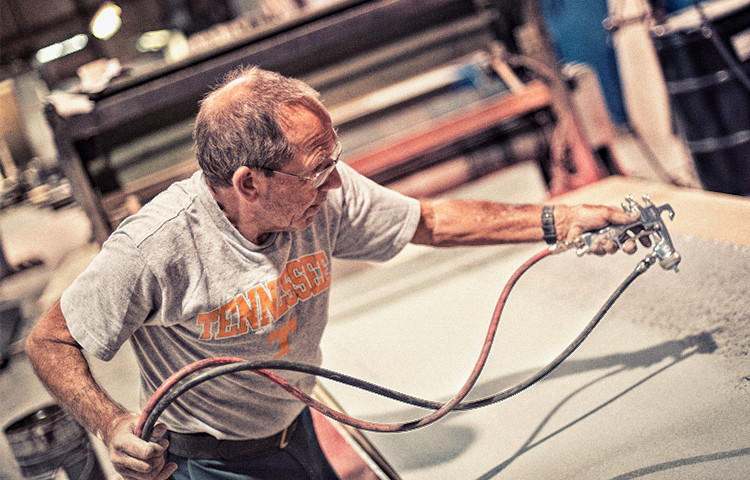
649,224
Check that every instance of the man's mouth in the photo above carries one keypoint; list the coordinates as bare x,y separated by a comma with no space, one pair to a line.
314,208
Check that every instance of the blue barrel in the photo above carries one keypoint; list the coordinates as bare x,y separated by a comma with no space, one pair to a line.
49,444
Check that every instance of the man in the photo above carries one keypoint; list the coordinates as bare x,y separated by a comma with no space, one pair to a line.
235,261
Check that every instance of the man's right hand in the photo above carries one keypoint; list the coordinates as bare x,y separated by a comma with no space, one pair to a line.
133,458
59,363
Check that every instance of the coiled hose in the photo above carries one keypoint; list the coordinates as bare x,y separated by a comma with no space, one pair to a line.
204,370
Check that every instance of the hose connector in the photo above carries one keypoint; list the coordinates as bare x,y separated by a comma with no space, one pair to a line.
559,247
646,263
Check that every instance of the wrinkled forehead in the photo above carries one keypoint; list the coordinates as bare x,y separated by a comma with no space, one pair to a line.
307,125
309,105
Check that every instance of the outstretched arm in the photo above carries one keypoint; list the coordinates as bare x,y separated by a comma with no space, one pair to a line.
60,364
456,222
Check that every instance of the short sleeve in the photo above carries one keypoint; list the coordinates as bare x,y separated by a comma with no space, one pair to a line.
376,223
111,298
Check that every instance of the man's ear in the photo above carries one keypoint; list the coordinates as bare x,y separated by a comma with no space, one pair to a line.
244,182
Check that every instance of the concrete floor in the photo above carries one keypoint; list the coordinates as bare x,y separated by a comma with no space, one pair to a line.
639,399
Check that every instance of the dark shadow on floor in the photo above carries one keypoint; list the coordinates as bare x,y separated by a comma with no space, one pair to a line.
682,462
674,349
677,351
420,450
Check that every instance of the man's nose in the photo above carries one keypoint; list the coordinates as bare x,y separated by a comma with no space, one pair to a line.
333,181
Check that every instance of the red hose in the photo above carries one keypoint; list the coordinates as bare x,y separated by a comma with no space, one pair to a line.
339,416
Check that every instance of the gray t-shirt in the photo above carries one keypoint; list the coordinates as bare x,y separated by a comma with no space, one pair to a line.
184,285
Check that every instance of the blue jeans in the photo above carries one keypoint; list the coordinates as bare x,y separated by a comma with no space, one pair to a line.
302,459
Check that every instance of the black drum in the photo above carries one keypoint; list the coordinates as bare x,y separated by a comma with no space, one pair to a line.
710,104
49,445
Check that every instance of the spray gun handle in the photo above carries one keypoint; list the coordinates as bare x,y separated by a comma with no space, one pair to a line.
649,224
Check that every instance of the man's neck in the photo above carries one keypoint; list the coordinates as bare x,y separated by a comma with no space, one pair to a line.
231,207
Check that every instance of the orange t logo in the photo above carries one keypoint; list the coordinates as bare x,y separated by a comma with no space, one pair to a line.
282,335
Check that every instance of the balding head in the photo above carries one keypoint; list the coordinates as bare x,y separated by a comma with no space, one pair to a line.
240,123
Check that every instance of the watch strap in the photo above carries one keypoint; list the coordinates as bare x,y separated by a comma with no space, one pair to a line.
548,224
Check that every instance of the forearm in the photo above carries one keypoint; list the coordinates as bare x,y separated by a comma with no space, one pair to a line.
453,222
58,361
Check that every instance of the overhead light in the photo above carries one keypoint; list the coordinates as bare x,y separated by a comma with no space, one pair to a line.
106,21
60,49
153,41
172,42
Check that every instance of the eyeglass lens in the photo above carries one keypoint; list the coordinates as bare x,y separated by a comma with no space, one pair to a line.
321,177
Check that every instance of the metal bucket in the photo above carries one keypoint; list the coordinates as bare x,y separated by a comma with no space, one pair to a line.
710,104
48,444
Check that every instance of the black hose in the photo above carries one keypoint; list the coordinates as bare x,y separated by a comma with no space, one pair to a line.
210,372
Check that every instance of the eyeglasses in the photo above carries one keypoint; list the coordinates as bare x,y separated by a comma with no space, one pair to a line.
320,177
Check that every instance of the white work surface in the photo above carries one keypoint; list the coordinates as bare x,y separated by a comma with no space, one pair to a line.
659,390
648,395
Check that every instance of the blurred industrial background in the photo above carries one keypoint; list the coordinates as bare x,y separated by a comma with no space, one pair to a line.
509,100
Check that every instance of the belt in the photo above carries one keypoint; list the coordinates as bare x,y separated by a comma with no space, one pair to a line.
202,446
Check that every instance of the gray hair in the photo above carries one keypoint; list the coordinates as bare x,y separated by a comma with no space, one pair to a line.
237,124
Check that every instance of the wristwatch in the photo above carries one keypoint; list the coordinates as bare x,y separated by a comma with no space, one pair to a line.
548,224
